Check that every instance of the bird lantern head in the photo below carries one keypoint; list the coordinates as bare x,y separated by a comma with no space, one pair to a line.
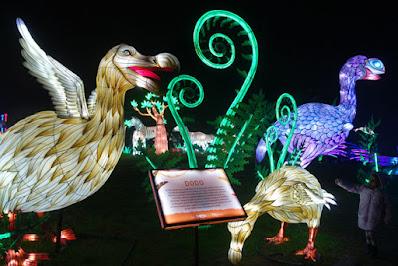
143,71
362,68
373,67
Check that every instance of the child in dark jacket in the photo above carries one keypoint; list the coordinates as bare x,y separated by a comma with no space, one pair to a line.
374,206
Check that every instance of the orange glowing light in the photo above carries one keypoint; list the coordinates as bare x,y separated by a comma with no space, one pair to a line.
12,216
14,258
11,219
40,214
36,256
31,237
66,235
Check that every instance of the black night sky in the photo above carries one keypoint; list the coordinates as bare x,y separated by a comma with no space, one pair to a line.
301,50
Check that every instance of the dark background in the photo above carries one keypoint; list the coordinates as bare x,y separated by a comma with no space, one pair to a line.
302,47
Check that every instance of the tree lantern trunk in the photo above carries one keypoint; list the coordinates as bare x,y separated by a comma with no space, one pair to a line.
161,142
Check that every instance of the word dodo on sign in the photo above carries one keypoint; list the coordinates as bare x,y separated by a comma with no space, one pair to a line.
194,183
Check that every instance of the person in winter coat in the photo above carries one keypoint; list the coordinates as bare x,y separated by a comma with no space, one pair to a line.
374,207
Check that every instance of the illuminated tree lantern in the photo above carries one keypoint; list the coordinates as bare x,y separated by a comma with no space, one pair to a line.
155,109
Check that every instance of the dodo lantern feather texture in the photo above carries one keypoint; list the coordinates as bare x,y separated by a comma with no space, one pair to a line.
289,194
53,159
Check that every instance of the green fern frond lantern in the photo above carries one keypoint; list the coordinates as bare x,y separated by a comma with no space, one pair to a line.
219,51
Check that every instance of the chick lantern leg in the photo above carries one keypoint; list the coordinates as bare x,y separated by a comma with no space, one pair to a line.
280,237
310,251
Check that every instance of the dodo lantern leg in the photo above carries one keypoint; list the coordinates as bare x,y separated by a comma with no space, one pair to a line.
310,251
280,237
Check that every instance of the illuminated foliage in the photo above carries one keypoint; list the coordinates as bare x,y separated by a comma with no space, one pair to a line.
368,136
368,142
287,118
241,135
366,152
127,150
185,84
218,50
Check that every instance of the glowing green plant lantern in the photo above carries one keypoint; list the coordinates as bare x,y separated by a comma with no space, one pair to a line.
183,130
223,58
284,116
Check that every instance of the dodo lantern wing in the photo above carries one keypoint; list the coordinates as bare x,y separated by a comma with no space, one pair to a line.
50,160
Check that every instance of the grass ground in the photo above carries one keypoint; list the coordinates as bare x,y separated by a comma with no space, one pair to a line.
119,226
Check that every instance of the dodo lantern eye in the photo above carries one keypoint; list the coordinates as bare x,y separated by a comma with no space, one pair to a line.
126,52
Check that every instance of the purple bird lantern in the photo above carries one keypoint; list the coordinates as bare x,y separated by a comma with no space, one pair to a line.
321,129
